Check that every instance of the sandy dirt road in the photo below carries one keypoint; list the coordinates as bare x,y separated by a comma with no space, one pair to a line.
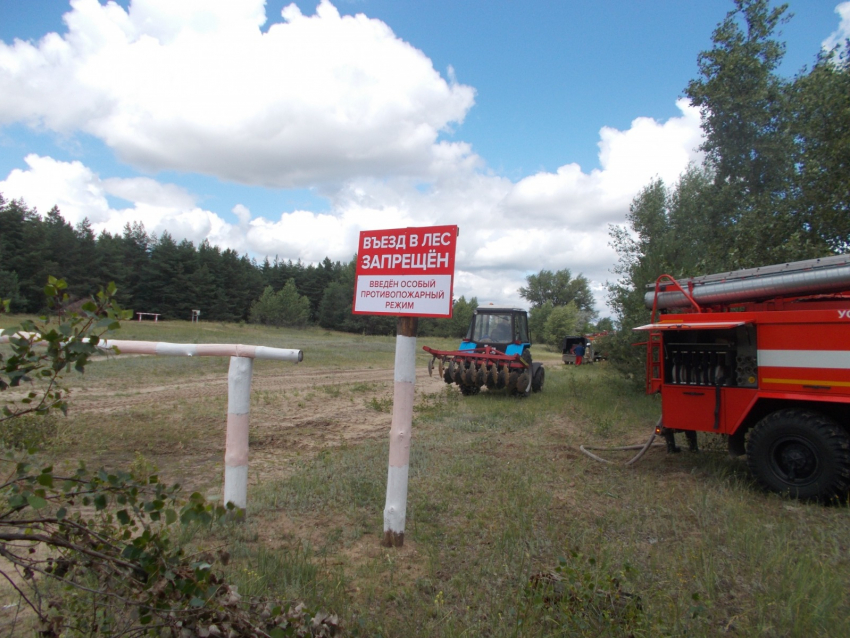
296,412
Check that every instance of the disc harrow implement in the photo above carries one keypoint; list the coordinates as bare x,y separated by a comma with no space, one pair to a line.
481,367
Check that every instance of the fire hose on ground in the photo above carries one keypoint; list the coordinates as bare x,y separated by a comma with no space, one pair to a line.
643,448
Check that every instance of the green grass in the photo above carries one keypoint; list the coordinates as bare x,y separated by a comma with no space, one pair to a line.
510,530
680,545
322,349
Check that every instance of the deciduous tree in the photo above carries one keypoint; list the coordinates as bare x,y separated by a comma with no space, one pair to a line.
285,308
562,321
559,288
820,103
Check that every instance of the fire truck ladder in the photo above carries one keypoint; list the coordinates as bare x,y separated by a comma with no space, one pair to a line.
654,356
653,363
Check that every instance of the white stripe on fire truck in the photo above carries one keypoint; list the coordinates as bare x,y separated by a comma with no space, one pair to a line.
839,359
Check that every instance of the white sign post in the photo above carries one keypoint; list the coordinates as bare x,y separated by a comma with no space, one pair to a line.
406,272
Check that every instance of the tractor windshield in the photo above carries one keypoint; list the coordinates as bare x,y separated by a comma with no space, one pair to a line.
491,328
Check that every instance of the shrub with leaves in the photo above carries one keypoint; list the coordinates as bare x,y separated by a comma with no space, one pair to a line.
43,350
93,555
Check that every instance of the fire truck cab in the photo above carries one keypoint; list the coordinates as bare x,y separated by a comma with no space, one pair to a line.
761,356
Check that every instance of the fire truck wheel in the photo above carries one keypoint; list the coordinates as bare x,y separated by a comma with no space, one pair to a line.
801,454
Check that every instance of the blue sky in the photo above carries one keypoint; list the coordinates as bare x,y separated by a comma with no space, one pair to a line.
531,125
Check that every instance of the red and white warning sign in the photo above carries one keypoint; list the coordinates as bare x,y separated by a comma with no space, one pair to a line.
406,271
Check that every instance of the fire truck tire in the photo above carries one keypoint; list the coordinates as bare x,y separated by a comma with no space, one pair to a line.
802,454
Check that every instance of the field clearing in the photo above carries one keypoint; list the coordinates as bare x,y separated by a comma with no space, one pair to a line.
510,531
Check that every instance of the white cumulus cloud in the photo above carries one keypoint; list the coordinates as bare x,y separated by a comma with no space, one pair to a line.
196,86
508,230
838,37
629,160
339,104
80,193
70,186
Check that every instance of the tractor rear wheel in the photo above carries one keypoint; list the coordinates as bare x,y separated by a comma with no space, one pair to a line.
523,387
537,379
802,454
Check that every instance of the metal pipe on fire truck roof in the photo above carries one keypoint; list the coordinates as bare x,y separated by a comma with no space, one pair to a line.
812,276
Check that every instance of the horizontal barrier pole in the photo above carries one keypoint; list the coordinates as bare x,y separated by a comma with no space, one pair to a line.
238,395
163,348
203,350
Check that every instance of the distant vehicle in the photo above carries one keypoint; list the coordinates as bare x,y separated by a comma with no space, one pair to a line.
568,345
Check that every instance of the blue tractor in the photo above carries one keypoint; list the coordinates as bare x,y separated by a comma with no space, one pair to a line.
495,353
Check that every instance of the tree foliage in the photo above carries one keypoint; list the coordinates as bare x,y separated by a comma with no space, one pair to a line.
537,317
820,122
559,291
751,148
43,351
454,328
742,100
773,186
562,321
559,288
284,308
106,543
162,275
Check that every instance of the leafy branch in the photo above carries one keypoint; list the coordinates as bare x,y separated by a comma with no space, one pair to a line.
42,350
104,539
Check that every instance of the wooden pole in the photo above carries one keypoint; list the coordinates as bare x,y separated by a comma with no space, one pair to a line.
395,509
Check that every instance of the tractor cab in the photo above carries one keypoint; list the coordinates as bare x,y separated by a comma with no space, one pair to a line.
505,329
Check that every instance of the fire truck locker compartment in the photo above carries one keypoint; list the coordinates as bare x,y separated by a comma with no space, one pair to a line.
693,408
688,407
737,403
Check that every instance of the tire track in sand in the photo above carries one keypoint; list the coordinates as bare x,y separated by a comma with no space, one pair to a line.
91,399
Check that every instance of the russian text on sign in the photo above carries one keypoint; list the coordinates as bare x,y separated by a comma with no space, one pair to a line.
428,261
388,265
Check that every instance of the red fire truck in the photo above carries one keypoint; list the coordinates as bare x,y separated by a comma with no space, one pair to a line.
761,356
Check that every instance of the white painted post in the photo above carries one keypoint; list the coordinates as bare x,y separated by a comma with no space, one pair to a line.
395,509
236,442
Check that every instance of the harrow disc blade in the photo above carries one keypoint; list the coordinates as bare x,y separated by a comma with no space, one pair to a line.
522,382
492,377
512,377
504,378
469,376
